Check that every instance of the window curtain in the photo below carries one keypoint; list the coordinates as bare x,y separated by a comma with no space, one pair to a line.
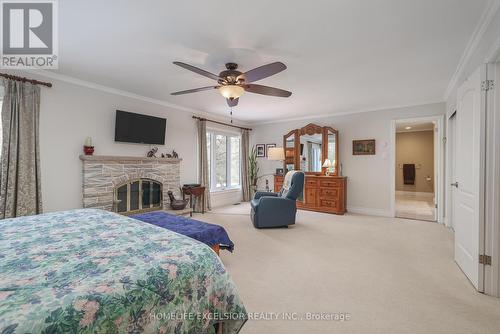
20,188
204,176
245,149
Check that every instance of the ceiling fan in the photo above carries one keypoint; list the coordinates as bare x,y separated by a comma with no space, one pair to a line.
233,83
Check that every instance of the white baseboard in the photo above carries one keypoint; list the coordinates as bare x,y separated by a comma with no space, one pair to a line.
369,211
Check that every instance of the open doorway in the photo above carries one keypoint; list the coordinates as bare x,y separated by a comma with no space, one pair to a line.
417,163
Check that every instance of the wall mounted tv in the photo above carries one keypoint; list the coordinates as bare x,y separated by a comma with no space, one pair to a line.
137,128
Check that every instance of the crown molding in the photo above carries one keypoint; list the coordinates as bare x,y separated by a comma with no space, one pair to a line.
483,24
494,53
124,93
347,113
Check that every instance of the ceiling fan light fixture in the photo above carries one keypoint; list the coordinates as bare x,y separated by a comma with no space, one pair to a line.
231,91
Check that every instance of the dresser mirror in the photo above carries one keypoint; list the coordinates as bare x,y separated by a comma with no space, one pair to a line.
290,142
312,149
331,139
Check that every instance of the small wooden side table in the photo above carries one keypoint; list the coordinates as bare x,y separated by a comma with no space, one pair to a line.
196,193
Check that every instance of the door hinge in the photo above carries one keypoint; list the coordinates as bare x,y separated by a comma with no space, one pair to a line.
485,259
487,85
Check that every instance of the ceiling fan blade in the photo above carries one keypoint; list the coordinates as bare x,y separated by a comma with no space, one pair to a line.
198,70
194,90
263,72
232,102
266,90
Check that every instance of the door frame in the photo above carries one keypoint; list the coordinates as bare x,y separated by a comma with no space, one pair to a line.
439,160
491,235
449,167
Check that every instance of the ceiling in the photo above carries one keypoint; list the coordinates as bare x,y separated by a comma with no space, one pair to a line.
415,126
342,55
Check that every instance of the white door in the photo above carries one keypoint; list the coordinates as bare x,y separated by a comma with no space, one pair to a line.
469,186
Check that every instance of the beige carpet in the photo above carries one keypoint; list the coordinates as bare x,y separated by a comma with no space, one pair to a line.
390,275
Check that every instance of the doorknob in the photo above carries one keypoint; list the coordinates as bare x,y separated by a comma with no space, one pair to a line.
455,184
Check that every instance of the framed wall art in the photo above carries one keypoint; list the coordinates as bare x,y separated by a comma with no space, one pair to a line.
261,150
363,147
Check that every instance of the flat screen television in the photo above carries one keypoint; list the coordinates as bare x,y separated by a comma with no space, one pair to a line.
138,128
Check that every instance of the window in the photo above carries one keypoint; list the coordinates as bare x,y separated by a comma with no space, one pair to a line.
224,161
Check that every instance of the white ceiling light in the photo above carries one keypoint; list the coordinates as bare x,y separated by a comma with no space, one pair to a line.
231,91
408,128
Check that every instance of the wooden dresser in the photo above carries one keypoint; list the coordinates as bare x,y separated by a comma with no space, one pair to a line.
321,193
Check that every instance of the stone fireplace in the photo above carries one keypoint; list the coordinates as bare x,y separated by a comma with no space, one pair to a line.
129,184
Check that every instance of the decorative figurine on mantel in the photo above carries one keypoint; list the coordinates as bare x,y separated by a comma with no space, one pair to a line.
169,156
152,152
88,149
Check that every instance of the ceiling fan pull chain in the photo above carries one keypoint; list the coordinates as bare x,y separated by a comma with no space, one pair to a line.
231,113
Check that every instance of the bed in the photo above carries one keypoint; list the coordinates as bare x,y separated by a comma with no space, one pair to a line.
214,236
95,271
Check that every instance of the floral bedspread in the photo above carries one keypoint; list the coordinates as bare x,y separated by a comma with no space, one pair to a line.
92,271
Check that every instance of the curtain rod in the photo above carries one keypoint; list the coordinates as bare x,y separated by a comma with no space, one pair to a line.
221,123
33,81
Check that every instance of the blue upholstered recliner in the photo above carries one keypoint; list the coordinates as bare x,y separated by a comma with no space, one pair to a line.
277,209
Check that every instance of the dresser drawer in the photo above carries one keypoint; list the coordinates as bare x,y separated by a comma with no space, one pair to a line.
310,183
330,183
310,197
329,193
328,203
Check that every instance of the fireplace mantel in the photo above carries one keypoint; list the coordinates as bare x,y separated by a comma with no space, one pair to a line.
126,158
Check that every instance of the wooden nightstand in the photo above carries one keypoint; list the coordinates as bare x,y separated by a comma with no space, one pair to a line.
195,192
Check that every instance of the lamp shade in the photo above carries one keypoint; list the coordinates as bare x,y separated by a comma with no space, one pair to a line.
327,163
231,91
276,153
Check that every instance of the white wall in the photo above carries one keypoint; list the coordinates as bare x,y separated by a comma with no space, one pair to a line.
368,184
69,113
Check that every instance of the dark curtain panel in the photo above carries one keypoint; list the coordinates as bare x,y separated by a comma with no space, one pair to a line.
20,189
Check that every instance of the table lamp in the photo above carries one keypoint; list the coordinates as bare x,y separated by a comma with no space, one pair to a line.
276,154
328,164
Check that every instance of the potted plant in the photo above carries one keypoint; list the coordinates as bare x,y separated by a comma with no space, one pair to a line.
253,170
